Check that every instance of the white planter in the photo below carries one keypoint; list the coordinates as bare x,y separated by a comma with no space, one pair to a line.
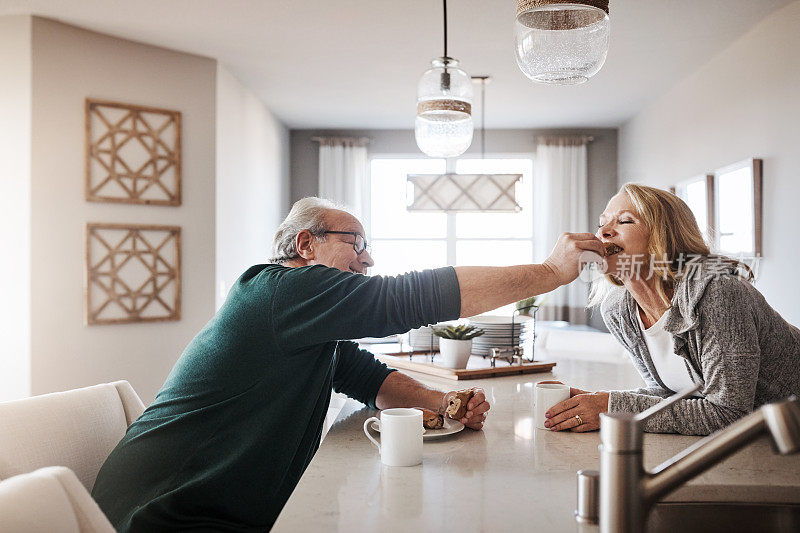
455,353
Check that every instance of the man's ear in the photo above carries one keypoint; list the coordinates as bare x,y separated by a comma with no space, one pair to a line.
305,244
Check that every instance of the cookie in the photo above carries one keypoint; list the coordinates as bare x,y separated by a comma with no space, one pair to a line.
431,420
611,248
457,406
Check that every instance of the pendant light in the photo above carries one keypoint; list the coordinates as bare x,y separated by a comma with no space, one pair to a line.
443,127
464,193
561,42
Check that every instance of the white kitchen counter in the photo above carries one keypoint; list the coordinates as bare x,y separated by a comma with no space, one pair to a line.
508,477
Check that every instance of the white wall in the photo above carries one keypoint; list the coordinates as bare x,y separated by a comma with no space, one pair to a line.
252,180
70,64
15,210
743,103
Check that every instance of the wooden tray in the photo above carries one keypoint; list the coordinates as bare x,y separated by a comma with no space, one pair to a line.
477,368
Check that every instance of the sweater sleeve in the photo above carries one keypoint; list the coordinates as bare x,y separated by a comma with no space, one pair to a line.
730,360
317,304
358,374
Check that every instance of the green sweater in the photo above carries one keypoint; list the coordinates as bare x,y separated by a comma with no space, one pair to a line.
240,416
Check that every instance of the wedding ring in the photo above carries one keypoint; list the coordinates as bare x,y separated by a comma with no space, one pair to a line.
578,418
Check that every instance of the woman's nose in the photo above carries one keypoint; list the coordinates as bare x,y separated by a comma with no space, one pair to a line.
607,231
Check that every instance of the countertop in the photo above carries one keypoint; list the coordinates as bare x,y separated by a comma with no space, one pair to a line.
508,477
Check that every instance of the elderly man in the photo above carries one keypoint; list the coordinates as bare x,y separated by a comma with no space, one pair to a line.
240,416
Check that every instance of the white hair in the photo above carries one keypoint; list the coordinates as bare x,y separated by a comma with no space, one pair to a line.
306,214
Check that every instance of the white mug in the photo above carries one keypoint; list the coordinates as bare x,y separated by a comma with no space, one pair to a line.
545,396
401,436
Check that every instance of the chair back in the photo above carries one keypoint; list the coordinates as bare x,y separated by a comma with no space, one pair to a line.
76,428
49,499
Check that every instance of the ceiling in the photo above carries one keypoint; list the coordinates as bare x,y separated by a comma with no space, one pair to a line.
356,63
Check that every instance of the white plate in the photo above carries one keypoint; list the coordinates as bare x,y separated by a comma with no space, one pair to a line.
450,426
491,320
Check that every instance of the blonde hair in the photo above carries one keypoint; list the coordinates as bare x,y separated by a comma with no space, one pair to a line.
674,234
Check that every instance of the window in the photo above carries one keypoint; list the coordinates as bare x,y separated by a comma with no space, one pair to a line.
404,241
698,194
738,205
496,239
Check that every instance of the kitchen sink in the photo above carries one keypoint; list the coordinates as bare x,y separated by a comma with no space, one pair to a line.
711,517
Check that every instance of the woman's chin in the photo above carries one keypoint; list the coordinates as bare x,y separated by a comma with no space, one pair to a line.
622,267
612,266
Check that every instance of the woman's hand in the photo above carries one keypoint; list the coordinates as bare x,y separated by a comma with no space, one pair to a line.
583,404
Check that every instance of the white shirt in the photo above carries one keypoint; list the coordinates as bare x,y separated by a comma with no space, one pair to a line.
671,368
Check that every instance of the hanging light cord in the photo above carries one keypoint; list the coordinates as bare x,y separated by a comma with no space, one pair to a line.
444,9
483,117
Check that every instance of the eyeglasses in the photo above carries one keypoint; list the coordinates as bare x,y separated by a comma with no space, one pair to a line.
359,244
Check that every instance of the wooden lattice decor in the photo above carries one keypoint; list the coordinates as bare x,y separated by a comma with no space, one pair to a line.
133,273
133,154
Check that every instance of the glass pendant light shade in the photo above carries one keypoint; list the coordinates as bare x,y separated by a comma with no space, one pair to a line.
443,127
561,42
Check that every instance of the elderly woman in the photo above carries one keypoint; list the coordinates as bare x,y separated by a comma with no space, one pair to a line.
686,317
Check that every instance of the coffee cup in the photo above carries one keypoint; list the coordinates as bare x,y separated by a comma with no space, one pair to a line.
401,436
545,396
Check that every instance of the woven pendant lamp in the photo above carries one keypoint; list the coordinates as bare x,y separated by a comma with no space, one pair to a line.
443,127
561,42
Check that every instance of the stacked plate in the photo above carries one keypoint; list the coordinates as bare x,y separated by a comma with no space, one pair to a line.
500,332
422,339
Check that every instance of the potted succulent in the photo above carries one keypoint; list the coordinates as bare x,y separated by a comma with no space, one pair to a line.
455,344
529,306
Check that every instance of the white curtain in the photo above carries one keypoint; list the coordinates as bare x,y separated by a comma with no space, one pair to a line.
343,174
560,204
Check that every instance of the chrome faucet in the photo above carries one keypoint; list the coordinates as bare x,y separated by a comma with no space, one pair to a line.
628,491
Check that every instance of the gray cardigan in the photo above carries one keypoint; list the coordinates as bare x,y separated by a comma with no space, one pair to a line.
733,343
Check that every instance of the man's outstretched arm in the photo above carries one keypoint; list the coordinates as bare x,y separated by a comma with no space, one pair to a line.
487,288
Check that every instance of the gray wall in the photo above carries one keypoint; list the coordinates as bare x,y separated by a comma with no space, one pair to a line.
252,193
602,155
741,104
15,206
602,160
235,192
68,65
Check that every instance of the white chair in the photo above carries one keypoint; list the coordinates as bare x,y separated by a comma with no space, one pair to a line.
76,429
49,500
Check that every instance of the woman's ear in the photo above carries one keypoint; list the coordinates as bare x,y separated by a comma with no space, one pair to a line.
305,244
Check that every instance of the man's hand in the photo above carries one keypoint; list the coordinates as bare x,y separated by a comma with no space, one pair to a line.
565,259
477,408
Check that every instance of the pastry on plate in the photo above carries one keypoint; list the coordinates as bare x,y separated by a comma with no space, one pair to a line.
431,419
457,407
611,249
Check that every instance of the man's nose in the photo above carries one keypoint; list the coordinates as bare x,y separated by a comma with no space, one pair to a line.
366,259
